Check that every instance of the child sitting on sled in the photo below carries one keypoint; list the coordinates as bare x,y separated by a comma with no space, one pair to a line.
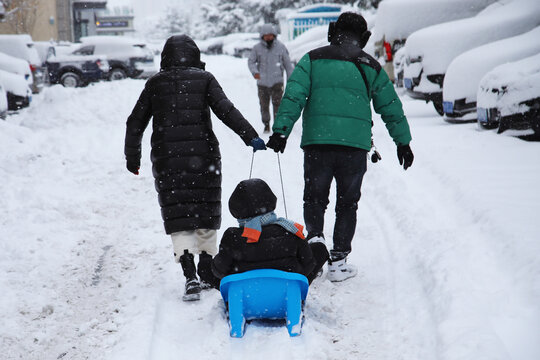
262,240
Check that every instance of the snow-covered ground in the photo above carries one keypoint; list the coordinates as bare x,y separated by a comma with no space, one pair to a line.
447,251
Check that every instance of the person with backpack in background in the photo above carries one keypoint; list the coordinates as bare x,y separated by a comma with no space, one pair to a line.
186,161
334,86
266,62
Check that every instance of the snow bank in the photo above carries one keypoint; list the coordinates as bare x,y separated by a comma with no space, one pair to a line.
438,45
397,19
466,70
507,85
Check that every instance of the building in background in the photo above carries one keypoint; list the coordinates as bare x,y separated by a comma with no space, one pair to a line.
61,20
116,20
85,17
294,22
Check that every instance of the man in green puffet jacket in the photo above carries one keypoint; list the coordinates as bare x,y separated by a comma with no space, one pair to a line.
334,86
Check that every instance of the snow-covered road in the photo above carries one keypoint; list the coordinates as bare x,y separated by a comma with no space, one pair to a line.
447,251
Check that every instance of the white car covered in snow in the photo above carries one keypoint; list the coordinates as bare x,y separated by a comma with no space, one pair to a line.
508,97
466,71
17,66
18,92
311,39
22,47
431,50
397,19
237,44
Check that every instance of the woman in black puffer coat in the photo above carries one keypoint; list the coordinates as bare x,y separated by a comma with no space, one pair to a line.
185,152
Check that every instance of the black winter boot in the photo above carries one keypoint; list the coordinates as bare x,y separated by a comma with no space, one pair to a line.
193,288
204,269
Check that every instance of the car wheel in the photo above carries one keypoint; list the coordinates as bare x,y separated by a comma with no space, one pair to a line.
117,74
438,107
70,79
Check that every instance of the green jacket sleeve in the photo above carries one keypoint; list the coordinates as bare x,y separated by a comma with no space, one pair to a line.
295,97
386,103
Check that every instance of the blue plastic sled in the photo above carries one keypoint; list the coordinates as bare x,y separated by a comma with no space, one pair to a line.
264,294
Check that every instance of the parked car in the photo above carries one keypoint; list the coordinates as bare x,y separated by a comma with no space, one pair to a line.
17,66
3,102
237,44
311,39
45,49
22,47
18,92
509,97
397,19
127,57
466,71
76,70
431,50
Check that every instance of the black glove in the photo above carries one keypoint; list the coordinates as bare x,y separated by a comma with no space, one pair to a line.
133,164
277,142
405,156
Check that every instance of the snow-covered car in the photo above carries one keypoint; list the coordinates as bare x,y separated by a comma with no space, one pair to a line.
397,19
3,102
45,49
127,57
466,71
17,66
241,47
509,97
399,63
311,39
431,50
76,70
22,47
18,92
237,44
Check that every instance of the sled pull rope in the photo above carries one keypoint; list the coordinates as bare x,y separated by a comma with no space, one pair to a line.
282,188
251,168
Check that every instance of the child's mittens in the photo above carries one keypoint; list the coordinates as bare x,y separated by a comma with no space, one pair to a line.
257,144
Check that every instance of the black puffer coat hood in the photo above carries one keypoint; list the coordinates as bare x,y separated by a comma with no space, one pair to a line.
252,198
181,50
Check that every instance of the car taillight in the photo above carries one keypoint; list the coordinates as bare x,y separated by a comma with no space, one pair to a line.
33,67
388,50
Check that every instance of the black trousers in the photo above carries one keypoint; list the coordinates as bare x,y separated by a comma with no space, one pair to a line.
265,94
322,164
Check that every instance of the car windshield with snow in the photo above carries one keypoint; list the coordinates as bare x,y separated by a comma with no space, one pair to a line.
431,50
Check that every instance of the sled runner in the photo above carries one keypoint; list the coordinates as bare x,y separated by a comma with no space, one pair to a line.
264,294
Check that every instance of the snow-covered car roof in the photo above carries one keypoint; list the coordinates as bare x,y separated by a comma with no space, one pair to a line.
397,19
307,41
117,45
466,71
438,45
507,85
15,84
233,46
15,65
223,41
20,46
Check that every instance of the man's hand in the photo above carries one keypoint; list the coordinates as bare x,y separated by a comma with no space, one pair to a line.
133,164
257,76
405,156
277,142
